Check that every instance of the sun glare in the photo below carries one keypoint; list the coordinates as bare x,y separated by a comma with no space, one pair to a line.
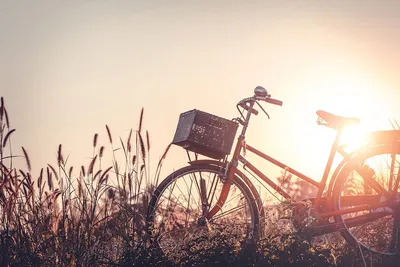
352,136
357,93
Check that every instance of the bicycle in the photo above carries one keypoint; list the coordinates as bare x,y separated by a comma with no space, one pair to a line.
213,195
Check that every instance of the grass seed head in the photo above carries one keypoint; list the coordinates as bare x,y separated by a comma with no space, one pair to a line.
95,140
60,158
91,166
109,134
28,162
129,145
40,179
83,170
70,171
142,147
101,152
49,179
141,120
7,137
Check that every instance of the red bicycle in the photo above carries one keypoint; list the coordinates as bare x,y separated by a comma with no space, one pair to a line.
214,196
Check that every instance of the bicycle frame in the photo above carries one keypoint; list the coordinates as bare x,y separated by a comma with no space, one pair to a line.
319,200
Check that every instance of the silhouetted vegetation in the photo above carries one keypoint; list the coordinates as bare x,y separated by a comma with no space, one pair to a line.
95,216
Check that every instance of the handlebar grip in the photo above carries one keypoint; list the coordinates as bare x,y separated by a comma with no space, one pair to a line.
254,111
274,101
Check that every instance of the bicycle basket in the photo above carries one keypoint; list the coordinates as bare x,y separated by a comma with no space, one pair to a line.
205,134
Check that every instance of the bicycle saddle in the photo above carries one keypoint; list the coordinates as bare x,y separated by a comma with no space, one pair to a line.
334,121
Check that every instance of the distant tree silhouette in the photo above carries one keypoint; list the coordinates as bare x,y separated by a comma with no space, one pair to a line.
295,186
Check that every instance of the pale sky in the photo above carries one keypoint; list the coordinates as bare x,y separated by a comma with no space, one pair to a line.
70,67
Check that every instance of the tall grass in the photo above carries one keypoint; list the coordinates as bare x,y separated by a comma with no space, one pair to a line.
90,216
94,214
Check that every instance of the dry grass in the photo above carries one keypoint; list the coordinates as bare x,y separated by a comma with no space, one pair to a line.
92,218
96,217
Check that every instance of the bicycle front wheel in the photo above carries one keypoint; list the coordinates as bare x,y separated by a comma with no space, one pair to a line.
177,208
377,228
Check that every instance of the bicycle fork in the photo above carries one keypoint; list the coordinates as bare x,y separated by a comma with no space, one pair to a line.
224,193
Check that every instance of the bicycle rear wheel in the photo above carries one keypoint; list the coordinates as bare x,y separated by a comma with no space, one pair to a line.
377,228
178,204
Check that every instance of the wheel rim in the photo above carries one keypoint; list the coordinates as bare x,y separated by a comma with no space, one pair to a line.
380,235
178,215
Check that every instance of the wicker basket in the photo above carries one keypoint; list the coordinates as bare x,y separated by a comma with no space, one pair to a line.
205,134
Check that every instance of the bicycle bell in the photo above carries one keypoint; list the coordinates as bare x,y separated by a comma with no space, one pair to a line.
260,91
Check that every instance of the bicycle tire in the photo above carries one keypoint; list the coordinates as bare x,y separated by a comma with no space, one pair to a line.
175,230
381,235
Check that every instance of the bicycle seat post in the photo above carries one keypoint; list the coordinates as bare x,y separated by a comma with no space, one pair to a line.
328,166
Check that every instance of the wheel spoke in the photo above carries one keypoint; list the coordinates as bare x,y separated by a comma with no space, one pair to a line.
189,197
375,229
213,189
391,172
177,211
224,213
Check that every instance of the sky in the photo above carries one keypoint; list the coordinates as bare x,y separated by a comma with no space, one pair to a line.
68,68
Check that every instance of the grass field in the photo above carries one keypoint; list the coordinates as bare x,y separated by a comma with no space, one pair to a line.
94,215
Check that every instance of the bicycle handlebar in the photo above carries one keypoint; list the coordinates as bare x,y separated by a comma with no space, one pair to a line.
274,101
243,103
246,107
246,103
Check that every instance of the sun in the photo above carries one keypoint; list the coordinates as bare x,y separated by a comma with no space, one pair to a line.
352,136
357,94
